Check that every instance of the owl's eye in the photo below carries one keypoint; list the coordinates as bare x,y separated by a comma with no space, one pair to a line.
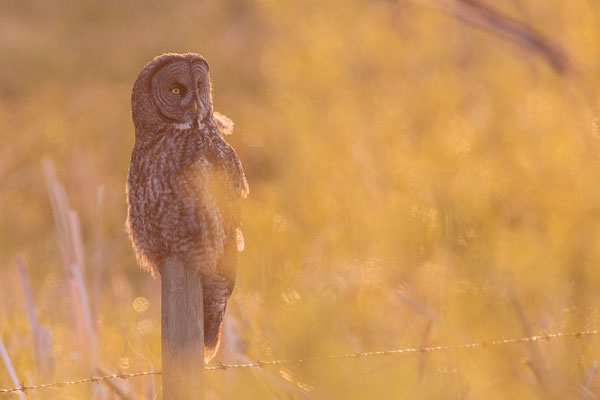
175,90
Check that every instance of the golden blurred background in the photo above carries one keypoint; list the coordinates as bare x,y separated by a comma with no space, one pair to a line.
422,173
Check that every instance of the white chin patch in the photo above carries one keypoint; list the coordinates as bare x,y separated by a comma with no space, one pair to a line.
184,125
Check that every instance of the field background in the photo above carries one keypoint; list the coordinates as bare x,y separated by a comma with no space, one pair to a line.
415,181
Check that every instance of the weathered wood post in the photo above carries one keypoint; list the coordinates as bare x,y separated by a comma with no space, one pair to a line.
182,332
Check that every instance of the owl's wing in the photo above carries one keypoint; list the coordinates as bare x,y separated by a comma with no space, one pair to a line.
227,160
228,190
232,188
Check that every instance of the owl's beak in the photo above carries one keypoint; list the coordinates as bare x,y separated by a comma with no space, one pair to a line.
195,106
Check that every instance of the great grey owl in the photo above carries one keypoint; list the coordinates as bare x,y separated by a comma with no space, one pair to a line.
185,183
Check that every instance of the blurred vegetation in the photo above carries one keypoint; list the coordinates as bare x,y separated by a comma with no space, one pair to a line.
415,180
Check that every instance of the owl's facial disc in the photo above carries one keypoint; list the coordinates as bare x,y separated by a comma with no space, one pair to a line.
202,99
182,91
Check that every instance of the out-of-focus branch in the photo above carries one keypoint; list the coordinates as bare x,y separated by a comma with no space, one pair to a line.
9,367
68,233
42,341
494,21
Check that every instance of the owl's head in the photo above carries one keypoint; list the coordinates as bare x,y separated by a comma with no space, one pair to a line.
172,89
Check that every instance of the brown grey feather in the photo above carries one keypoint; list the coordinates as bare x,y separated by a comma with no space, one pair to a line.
185,183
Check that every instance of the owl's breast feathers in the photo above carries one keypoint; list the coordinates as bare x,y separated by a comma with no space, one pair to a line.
184,194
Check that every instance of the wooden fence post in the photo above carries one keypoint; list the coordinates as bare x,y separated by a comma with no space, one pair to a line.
182,331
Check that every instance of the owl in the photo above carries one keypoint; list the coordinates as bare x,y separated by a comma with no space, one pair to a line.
185,183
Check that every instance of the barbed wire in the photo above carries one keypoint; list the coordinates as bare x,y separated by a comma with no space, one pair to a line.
261,364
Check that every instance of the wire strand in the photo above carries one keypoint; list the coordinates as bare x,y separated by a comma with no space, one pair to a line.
261,364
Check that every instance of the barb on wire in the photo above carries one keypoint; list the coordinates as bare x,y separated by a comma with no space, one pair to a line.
260,364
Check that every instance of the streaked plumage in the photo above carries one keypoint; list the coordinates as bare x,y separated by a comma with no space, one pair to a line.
185,183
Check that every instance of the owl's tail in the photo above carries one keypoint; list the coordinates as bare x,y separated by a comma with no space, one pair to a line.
210,349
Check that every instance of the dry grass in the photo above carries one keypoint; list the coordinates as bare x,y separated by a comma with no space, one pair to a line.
414,181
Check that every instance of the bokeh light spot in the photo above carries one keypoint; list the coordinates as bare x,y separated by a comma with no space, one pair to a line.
141,304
